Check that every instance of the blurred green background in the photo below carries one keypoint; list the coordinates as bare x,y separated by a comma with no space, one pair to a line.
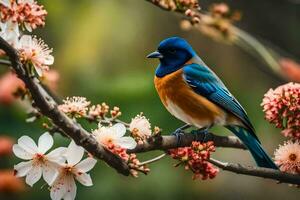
100,48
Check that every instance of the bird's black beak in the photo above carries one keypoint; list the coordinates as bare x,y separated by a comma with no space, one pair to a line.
155,54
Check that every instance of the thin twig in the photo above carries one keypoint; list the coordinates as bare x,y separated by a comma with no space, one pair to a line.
244,40
153,159
5,62
258,172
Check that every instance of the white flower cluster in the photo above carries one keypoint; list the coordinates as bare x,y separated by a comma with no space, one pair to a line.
25,13
59,168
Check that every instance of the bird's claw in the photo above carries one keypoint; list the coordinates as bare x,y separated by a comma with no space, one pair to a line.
178,133
199,135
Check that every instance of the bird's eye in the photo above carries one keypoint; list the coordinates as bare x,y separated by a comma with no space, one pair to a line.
173,51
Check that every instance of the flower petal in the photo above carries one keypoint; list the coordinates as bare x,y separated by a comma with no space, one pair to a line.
10,32
84,179
28,144
34,175
50,172
21,153
119,130
57,155
74,153
38,70
86,165
26,1
5,3
45,143
23,168
49,60
126,142
71,189
59,188
28,27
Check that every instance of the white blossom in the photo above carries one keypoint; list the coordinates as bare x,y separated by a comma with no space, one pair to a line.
38,164
114,135
64,186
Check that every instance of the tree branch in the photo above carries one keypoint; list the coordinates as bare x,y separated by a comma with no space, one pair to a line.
258,172
159,142
164,143
48,107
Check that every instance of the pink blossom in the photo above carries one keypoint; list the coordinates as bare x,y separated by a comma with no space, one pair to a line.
10,183
282,108
290,69
26,13
130,159
287,157
51,78
10,85
195,158
6,144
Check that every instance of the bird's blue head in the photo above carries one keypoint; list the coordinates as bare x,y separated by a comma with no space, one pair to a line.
173,53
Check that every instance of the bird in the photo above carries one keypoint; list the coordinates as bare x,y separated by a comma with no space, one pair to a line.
194,94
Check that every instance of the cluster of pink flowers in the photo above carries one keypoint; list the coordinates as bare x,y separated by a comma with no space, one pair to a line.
98,111
188,3
177,4
282,108
131,159
23,12
195,158
75,106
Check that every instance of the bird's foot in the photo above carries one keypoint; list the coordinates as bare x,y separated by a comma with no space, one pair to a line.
178,133
201,135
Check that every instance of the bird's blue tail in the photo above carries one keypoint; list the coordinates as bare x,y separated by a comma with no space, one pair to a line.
260,156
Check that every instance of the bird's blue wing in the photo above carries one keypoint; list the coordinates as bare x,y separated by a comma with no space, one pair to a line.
205,83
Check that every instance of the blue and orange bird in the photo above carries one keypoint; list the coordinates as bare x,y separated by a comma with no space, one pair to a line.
194,94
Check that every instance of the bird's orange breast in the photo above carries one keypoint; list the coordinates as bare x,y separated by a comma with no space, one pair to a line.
188,106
